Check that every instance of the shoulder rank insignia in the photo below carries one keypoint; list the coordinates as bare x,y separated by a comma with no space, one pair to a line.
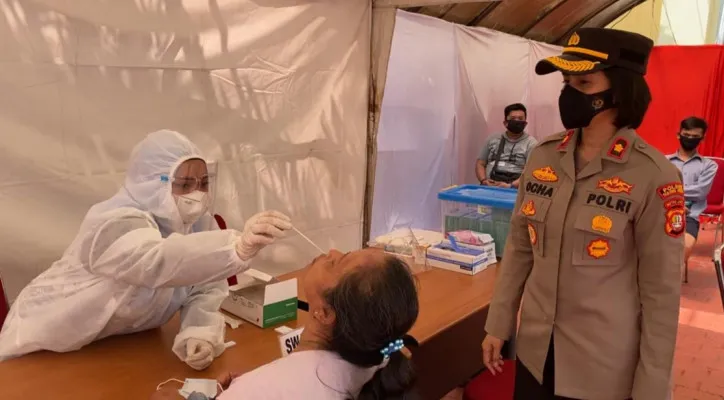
545,174
615,185
598,248
566,139
670,189
618,148
528,209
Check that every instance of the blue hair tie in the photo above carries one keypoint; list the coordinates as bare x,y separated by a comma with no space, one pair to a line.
393,347
164,178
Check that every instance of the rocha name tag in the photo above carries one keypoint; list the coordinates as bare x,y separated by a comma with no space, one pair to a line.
289,341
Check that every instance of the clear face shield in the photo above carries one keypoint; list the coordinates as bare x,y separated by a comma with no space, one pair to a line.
194,188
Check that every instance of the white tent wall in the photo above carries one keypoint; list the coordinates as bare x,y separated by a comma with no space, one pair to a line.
414,142
447,86
383,25
270,89
495,70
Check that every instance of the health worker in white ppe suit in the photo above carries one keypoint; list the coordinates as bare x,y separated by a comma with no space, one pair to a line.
139,257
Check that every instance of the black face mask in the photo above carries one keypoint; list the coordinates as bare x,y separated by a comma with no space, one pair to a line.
689,143
515,126
578,109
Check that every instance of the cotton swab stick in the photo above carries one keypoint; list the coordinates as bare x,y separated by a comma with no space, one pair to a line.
414,239
308,240
265,169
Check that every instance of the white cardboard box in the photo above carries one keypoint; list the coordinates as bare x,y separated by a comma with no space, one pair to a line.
470,261
263,304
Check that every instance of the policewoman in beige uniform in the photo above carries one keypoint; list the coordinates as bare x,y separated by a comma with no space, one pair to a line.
596,240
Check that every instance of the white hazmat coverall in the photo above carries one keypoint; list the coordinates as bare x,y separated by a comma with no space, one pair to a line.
134,264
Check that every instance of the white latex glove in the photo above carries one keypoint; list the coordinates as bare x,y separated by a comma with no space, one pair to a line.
260,231
199,354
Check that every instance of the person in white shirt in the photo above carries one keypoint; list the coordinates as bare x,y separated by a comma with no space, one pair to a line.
139,257
361,305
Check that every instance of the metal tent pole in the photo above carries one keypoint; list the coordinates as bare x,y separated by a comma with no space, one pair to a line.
719,29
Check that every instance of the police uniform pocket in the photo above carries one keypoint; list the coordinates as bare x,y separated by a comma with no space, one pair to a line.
535,210
599,238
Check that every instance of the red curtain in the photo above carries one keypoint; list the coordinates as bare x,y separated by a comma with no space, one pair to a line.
685,81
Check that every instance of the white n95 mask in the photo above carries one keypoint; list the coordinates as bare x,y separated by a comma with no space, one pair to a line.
192,206
197,387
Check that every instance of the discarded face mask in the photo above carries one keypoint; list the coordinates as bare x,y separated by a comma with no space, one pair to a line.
207,387
196,389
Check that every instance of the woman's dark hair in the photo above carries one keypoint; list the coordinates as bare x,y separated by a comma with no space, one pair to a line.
631,94
375,305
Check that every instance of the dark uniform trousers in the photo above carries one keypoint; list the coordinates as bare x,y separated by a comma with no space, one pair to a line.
528,388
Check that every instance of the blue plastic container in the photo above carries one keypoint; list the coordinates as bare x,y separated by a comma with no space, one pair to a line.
477,208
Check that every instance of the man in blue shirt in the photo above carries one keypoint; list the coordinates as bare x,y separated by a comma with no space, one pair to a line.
698,174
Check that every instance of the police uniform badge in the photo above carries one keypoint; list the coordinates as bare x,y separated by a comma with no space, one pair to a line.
618,148
528,209
601,223
674,208
598,248
533,234
670,189
566,139
545,174
675,222
615,185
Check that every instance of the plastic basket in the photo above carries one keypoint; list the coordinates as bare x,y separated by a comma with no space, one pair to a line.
481,209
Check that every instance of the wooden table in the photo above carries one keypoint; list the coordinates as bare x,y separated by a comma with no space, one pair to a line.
453,308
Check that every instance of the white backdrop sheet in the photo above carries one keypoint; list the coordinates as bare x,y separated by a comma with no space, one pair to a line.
447,86
275,90
414,140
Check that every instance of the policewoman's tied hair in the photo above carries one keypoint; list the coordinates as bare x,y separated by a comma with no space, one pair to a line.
375,306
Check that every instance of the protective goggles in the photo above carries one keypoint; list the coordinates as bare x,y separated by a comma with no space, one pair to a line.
187,184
